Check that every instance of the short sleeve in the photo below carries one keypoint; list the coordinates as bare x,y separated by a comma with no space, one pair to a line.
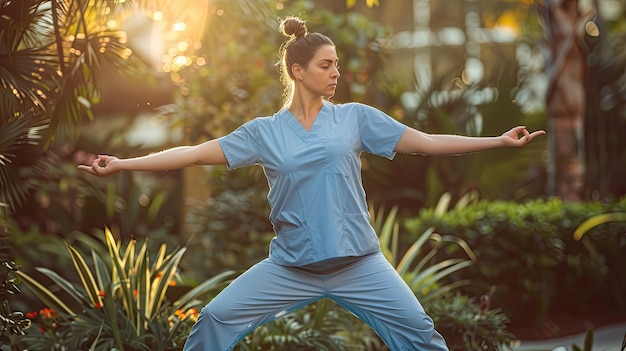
379,132
240,146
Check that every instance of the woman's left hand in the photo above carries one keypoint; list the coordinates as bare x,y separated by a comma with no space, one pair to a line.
519,136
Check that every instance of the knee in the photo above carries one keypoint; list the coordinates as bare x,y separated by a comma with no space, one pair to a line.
426,323
212,312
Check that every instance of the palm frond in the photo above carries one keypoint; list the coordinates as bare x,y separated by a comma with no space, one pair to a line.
19,149
27,70
418,265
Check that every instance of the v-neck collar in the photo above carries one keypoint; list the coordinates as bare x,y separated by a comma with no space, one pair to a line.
298,128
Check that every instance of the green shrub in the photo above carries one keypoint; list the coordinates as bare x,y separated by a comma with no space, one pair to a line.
121,302
468,325
528,253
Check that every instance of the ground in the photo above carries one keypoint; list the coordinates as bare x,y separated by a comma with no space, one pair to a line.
563,324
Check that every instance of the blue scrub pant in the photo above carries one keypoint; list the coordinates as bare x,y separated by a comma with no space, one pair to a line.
370,288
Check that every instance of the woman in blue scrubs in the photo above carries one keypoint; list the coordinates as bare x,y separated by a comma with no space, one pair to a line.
324,244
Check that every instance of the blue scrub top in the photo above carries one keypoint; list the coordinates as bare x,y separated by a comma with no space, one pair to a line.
318,205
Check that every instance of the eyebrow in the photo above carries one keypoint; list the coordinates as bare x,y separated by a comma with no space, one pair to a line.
328,60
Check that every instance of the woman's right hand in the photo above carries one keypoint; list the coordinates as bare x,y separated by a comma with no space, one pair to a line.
102,166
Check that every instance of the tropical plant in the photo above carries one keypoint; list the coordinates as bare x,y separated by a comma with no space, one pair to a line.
121,302
321,326
418,265
465,324
12,323
597,220
468,325
50,54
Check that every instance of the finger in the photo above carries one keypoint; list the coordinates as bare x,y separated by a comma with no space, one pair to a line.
537,133
526,136
519,129
515,132
95,166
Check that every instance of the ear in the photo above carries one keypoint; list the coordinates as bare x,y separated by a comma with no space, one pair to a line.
296,70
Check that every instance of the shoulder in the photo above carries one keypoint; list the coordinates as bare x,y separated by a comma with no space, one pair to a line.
360,111
359,108
258,123
351,108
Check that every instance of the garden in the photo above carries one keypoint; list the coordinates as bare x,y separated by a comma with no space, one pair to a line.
498,246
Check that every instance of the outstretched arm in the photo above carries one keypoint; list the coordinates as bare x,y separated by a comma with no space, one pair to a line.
416,142
207,153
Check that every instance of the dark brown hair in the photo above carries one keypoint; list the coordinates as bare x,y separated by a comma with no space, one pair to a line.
299,48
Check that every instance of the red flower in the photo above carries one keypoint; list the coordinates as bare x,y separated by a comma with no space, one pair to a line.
48,313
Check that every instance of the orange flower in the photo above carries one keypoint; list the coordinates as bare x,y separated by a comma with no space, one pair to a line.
173,283
48,313
135,293
160,275
101,293
190,313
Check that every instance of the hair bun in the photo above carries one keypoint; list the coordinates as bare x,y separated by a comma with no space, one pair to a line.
293,27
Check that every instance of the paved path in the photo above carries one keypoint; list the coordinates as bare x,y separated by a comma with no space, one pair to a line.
608,338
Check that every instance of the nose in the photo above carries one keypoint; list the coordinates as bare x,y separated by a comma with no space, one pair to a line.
336,73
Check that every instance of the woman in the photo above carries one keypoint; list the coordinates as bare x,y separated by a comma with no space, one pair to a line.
324,244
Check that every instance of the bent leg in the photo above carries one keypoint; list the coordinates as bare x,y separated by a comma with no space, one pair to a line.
264,292
375,292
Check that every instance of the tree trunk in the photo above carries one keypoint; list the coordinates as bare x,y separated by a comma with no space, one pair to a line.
567,71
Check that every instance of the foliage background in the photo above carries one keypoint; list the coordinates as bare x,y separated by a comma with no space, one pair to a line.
224,213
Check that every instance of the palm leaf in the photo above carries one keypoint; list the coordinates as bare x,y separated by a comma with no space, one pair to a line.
594,221
413,251
168,270
103,276
416,265
119,274
45,295
86,277
19,149
187,300
112,312
27,67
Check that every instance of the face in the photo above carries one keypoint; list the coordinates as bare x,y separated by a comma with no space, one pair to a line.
321,74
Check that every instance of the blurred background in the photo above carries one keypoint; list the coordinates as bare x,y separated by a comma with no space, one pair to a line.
132,77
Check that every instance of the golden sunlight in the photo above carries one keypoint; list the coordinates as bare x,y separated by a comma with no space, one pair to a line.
166,33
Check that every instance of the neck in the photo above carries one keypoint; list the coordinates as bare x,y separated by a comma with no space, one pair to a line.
305,110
